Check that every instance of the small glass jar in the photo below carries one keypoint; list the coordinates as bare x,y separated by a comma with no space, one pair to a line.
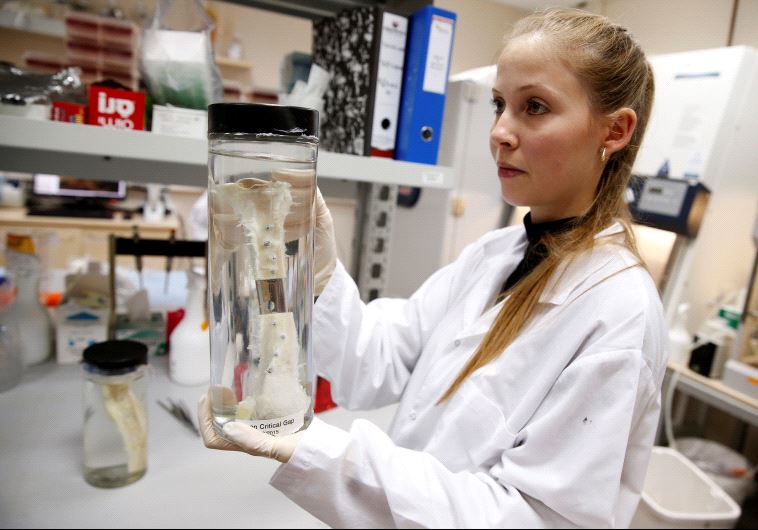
115,413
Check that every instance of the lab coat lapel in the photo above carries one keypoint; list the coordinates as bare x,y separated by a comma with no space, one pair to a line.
569,276
501,258
498,261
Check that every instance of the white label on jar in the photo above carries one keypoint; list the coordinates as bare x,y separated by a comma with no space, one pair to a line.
277,426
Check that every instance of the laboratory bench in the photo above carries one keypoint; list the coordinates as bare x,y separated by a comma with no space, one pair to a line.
186,485
18,217
65,238
713,392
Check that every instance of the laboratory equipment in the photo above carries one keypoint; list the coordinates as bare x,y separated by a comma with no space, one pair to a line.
74,197
741,370
115,413
179,411
675,206
169,261
154,209
699,133
261,192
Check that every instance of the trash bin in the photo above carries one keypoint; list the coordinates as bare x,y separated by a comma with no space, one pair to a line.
677,494
728,468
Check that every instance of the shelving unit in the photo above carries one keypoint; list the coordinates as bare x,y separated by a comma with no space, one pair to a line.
143,157
233,63
315,9
33,23
34,146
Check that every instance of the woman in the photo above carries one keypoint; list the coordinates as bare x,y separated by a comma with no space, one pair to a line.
528,371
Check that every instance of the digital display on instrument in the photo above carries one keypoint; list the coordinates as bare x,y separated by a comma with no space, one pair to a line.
663,197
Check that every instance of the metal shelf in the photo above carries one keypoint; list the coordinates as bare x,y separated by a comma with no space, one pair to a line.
315,9
33,23
34,146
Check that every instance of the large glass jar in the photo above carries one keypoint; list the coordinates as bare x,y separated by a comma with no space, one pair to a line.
115,413
261,191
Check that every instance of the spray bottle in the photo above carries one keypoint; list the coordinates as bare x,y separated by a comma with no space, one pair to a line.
189,358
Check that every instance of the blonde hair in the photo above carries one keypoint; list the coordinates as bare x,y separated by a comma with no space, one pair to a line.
616,74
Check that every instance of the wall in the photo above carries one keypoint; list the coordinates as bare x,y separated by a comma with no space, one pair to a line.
680,25
671,26
479,31
660,27
746,25
266,38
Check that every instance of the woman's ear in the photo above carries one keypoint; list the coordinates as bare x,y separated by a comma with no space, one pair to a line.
620,129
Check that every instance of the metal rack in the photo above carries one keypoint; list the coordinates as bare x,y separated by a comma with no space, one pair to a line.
139,247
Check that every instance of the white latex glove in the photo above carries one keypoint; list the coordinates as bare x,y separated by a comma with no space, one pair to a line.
325,252
325,245
242,437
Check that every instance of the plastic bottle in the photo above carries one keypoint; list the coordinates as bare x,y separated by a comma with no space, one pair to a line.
11,363
679,338
729,318
235,48
26,312
715,341
189,358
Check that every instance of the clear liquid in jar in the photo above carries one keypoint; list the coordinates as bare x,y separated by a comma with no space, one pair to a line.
260,241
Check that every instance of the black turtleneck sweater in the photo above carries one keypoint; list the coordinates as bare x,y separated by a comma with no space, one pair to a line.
535,250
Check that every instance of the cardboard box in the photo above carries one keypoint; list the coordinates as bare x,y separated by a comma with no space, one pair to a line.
69,112
741,377
119,109
151,333
177,121
78,327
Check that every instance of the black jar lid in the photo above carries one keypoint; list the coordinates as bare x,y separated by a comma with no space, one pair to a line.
262,118
116,354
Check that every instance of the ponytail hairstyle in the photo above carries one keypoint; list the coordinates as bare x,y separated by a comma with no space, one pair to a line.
613,69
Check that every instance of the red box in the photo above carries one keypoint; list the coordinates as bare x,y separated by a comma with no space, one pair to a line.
119,109
69,112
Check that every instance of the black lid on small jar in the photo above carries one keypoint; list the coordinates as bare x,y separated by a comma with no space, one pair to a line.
262,118
116,354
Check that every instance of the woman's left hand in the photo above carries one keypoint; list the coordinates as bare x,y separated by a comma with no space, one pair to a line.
242,437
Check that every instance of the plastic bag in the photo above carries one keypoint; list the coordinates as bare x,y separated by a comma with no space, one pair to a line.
728,468
24,87
177,58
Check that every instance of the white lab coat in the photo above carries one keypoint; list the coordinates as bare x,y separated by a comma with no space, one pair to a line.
556,432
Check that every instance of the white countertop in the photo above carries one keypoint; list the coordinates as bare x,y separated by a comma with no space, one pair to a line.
186,485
